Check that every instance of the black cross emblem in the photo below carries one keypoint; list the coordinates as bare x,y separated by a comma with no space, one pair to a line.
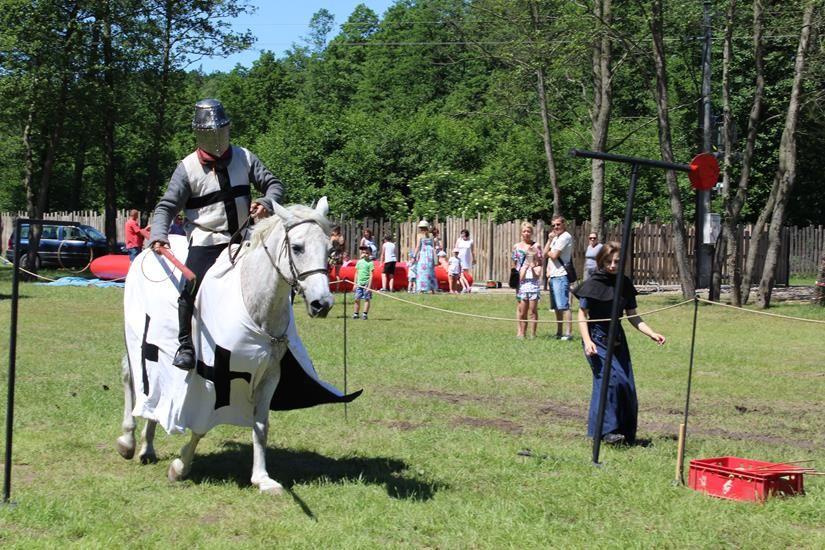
147,351
221,376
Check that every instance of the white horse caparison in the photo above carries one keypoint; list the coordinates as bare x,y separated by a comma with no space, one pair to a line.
289,249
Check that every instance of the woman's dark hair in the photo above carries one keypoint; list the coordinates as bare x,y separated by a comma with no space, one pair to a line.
465,233
607,251
337,229
388,238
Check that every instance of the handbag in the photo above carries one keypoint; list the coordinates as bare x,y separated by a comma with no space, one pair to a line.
514,278
572,276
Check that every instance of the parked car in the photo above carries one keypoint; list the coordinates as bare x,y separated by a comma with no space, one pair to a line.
64,245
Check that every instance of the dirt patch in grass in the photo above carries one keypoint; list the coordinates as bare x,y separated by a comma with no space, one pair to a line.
499,424
454,398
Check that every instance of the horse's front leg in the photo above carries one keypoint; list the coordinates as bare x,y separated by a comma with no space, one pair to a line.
126,442
262,396
147,446
179,468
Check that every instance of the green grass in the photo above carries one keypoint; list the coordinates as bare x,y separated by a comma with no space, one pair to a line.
429,454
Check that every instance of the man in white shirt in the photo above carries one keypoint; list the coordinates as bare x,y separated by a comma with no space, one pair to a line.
560,252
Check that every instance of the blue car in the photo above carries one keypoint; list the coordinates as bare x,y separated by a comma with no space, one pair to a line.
64,245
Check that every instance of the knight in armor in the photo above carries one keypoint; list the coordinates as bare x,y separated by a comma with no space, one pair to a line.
212,186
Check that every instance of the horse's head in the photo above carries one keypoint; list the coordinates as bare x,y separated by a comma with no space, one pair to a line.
299,252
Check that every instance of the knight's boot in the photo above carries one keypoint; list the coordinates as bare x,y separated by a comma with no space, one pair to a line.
185,356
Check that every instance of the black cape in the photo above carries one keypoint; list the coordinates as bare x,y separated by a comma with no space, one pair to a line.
601,286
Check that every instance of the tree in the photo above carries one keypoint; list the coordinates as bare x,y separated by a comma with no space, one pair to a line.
665,144
727,246
600,111
786,172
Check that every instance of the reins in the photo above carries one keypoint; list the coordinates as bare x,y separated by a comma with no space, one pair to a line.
286,247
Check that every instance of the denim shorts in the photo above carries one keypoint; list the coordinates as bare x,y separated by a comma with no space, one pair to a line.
560,289
363,294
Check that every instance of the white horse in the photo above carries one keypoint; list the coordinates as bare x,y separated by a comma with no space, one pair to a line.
244,336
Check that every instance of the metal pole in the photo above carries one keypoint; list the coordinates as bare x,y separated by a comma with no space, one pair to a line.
680,460
703,252
581,153
15,296
614,313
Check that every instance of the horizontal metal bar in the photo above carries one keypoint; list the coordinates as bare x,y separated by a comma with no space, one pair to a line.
630,160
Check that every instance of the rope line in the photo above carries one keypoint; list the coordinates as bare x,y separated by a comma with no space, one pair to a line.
802,319
507,319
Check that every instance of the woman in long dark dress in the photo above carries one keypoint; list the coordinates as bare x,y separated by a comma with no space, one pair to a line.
595,302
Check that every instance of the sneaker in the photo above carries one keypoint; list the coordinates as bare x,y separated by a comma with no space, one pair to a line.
566,337
355,316
613,439
364,317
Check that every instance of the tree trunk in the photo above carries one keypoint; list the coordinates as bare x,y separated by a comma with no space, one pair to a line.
546,136
786,172
153,184
600,115
734,203
110,197
819,291
679,234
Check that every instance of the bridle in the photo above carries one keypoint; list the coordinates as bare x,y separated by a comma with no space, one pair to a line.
286,247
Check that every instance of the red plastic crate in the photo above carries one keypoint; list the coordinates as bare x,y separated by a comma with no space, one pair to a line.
737,478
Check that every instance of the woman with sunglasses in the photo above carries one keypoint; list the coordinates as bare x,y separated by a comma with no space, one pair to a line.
593,247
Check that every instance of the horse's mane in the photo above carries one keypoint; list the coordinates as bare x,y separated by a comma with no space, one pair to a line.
264,227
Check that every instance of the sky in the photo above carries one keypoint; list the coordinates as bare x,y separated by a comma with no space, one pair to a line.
277,24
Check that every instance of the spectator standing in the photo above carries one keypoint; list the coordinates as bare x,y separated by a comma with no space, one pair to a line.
437,245
411,272
389,257
595,301
467,255
454,273
177,226
593,247
560,252
336,251
528,293
367,240
134,238
363,281
425,259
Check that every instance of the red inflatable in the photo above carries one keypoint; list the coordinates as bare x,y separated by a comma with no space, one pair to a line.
111,266
347,272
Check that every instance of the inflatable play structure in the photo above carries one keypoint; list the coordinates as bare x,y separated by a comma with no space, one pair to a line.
109,267
347,272
115,266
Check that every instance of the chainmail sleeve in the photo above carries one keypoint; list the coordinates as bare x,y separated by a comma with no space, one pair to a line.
263,180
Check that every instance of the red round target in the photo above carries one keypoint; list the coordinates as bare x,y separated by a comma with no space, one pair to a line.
704,171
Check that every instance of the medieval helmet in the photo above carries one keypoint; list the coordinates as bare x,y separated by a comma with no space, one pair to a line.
211,126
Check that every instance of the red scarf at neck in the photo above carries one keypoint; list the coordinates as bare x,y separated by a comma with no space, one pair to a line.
208,158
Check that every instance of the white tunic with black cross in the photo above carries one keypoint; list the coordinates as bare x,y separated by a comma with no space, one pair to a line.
230,348
215,196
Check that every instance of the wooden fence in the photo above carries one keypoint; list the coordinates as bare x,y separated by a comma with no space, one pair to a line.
653,260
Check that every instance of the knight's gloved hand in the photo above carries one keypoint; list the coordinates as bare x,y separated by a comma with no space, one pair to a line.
258,211
157,245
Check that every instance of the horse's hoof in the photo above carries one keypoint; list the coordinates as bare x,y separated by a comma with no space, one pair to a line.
177,470
271,487
126,446
148,458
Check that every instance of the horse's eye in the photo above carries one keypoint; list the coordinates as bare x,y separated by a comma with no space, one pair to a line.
298,248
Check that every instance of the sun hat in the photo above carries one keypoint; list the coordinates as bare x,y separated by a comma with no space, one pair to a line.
456,250
423,223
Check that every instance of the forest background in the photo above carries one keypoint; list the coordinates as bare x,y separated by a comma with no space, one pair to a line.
436,108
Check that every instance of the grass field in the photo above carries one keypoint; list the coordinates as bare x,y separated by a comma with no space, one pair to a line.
429,454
